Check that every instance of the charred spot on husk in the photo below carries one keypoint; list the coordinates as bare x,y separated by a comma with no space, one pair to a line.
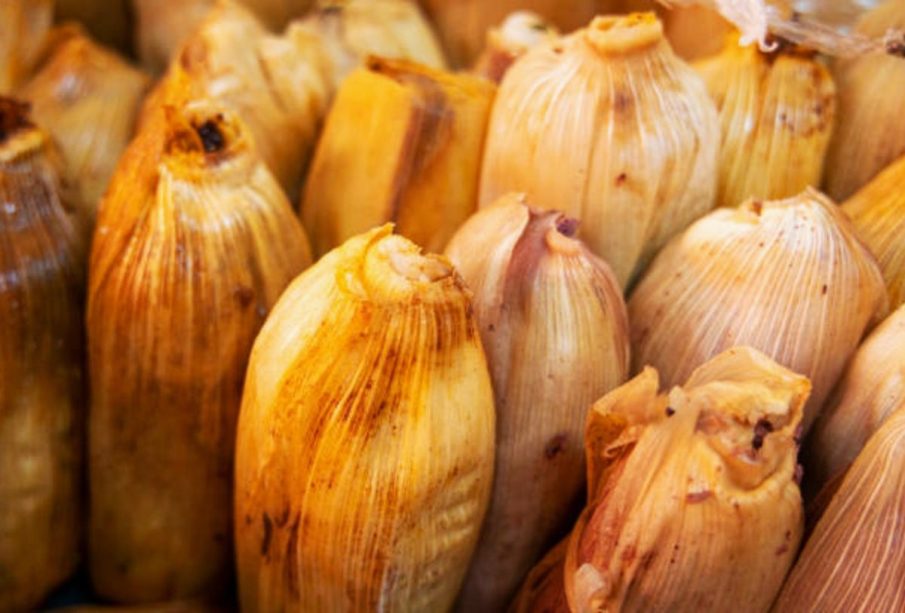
211,136
670,411
762,428
13,117
555,446
267,526
567,226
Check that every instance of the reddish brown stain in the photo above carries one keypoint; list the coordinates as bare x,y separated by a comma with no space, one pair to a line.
697,497
267,525
555,446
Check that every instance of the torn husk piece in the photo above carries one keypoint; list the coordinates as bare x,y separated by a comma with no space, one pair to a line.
554,327
365,447
776,114
88,97
277,84
462,24
581,122
870,134
518,33
788,277
350,31
854,560
871,389
402,143
23,29
693,503
878,214
195,241
42,252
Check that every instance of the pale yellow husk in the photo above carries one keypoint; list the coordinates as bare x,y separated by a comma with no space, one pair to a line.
613,127
195,241
554,326
871,389
878,213
776,118
402,143
515,36
42,252
277,84
693,499
854,560
870,133
352,30
88,98
365,445
23,29
787,277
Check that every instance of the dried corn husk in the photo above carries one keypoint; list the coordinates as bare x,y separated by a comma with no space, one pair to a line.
878,213
402,143
462,24
108,20
870,133
693,498
871,389
854,560
776,114
194,243
23,29
787,277
518,33
554,326
365,447
88,97
41,355
353,30
276,84
582,122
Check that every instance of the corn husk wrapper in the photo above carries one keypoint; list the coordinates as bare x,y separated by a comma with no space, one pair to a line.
277,84
870,134
353,30
787,277
463,24
554,326
854,560
23,29
693,498
402,143
194,243
878,213
581,122
88,97
365,448
872,388
163,26
108,21
41,357
776,117
515,36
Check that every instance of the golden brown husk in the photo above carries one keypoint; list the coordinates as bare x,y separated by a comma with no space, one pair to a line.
787,277
878,213
612,125
870,133
402,143
554,326
871,389
41,363
108,21
88,97
23,30
515,36
695,32
462,24
776,114
277,84
693,500
854,560
365,447
194,243
353,30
